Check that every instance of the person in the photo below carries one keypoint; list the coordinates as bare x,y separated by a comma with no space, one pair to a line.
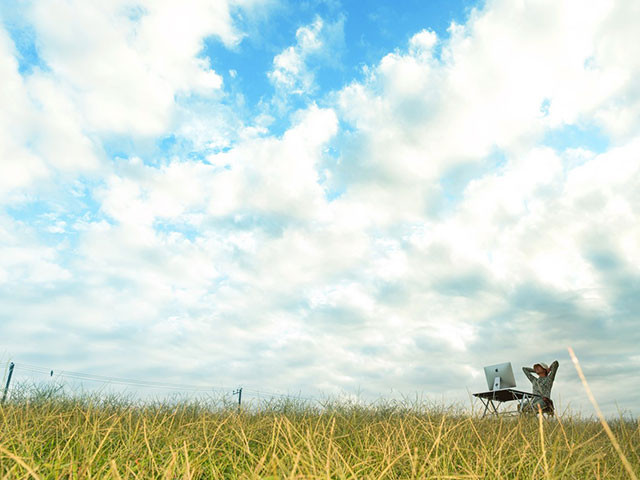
542,384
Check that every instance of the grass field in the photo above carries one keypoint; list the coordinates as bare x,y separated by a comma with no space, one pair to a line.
56,436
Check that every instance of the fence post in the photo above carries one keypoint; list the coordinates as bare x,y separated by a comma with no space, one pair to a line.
6,387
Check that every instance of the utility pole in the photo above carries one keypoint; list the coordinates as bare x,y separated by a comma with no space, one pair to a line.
239,392
6,387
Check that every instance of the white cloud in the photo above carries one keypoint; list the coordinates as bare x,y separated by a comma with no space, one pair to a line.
276,176
122,63
18,165
494,74
107,69
420,119
292,72
433,252
421,44
23,260
40,128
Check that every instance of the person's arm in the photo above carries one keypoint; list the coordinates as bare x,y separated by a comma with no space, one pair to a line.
553,369
528,371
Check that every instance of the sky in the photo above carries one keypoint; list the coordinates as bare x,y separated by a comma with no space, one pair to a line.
326,197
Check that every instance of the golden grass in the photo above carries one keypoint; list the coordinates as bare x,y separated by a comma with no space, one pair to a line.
55,436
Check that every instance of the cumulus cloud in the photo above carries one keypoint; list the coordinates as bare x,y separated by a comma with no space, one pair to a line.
252,181
293,70
410,230
103,73
124,62
40,128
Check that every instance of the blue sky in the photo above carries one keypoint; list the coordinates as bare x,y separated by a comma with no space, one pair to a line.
364,32
327,197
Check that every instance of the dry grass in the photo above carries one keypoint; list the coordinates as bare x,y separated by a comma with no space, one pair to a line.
55,436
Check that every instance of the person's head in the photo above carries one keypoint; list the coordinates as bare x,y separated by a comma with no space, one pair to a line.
541,369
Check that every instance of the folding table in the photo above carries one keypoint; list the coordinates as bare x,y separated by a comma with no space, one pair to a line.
494,399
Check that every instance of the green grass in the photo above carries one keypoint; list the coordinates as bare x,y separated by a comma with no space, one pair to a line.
51,435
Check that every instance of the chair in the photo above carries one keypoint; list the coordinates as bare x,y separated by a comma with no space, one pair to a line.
531,409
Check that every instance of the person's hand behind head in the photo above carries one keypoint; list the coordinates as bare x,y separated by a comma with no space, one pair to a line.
540,370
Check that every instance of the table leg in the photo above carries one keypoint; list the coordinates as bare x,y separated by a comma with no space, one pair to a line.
485,402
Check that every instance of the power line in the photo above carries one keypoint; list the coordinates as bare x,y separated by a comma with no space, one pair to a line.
282,395
146,383
116,380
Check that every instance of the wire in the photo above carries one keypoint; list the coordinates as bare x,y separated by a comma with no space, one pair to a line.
68,373
145,383
274,394
115,380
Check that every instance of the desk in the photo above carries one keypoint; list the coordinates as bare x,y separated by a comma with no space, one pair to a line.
493,399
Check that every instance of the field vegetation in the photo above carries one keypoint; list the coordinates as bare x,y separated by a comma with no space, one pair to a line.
48,434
